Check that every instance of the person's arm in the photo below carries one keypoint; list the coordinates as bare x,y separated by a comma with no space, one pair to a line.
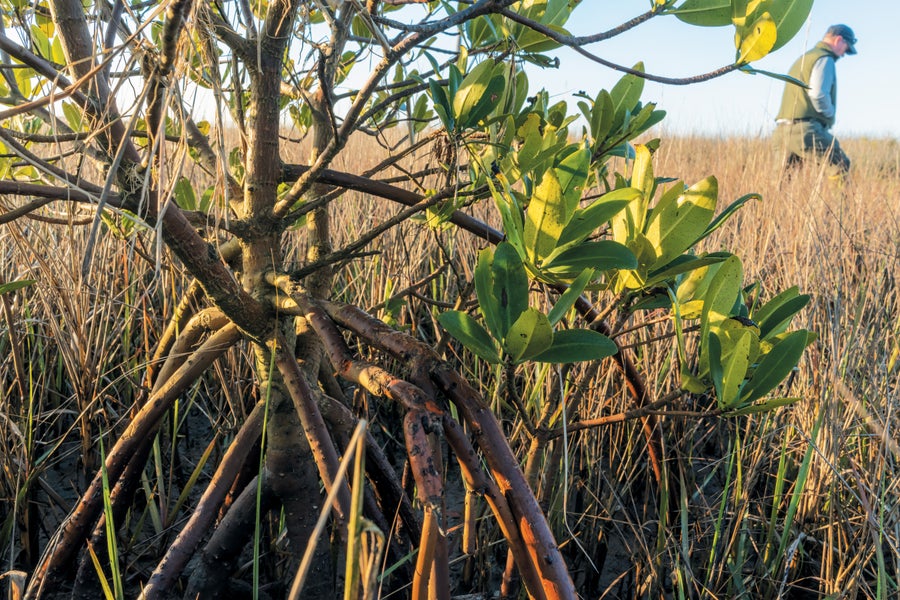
821,81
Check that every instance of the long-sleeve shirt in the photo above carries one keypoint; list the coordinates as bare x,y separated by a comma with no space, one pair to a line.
821,81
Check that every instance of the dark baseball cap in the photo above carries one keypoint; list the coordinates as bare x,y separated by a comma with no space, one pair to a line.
846,33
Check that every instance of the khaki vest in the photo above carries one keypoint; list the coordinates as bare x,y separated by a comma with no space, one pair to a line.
795,104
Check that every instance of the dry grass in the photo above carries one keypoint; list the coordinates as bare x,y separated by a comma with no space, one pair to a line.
803,502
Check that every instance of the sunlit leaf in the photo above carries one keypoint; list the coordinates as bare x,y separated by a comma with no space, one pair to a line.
756,41
775,366
680,219
775,316
585,221
789,17
530,335
627,92
545,218
704,13
602,256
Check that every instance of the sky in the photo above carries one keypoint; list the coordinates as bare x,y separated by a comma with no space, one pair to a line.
737,104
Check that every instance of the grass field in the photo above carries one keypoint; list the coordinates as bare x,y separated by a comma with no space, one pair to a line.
801,502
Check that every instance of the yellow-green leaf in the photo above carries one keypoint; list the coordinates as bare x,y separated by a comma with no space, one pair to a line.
530,335
680,219
757,40
546,217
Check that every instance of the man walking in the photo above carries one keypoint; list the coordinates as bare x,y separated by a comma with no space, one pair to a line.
806,115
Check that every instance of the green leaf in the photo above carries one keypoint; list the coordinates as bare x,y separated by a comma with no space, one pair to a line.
74,116
12,286
726,214
530,335
776,319
478,94
714,361
736,356
472,335
510,215
572,173
484,290
680,219
602,256
545,218
789,17
586,220
630,222
775,366
764,406
442,105
510,286
750,70
602,115
722,291
684,264
185,196
704,13
626,93
575,345
570,296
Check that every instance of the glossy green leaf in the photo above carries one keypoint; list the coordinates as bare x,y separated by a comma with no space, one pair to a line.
726,214
713,356
510,287
602,256
545,218
576,345
602,115
442,105
530,335
775,320
789,17
735,357
704,13
570,296
572,173
485,288
472,335
775,366
510,214
684,264
478,94
586,221
626,93
679,220
722,291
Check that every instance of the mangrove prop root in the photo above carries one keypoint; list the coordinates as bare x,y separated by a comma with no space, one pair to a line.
533,526
203,515
72,533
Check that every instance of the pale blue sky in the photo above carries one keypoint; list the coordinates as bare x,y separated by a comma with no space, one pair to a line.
739,104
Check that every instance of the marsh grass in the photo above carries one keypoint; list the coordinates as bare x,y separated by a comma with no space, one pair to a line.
801,502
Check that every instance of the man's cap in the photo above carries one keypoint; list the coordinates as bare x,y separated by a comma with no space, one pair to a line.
846,33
